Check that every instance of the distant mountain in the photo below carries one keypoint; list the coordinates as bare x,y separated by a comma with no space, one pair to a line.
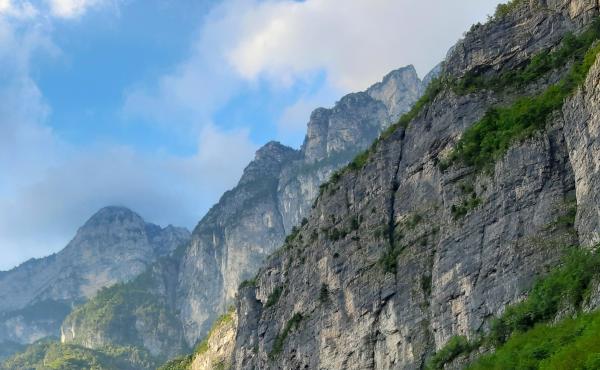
114,245
229,244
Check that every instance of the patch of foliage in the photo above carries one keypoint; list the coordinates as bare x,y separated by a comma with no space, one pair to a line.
115,311
293,235
225,319
573,343
568,284
489,139
461,210
455,347
274,297
181,363
291,325
324,293
502,10
413,221
52,355
389,260
250,283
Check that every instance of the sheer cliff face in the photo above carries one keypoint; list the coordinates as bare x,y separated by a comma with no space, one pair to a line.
115,245
340,304
276,193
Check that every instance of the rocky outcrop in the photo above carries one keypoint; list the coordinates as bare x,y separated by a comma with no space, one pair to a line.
114,245
391,263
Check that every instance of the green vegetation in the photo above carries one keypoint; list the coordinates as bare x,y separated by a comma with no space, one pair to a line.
324,293
502,10
461,210
225,319
573,343
51,355
181,363
489,139
455,347
291,325
567,285
389,260
274,297
293,235
115,310
250,283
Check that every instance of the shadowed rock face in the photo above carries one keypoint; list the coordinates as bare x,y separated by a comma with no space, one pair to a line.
114,245
339,307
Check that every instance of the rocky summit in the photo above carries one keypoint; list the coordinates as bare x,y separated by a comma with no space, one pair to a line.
114,245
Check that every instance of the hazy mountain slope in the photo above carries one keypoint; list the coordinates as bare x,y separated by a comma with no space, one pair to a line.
451,216
114,245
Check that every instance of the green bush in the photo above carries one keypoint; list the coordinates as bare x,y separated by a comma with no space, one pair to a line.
573,343
274,297
502,10
181,363
324,293
291,325
455,347
461,210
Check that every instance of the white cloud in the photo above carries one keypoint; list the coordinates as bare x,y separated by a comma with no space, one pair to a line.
355,41
72,8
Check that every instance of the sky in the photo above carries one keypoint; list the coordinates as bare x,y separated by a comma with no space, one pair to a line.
158,105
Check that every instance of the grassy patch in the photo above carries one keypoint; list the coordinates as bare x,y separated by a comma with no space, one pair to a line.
574,343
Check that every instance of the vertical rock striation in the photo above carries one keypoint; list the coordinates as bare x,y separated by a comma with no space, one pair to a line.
401,255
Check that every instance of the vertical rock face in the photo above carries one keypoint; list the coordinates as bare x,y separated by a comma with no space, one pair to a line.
582,130
114,245
275,193
385,271
231,241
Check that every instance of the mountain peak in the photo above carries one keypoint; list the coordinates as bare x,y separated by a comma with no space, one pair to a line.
113,214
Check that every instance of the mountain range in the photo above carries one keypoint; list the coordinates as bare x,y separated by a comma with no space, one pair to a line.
444,223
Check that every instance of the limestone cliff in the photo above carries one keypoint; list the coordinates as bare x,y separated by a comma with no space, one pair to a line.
409,247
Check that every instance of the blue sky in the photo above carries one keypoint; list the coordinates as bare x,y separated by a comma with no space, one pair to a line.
158,105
